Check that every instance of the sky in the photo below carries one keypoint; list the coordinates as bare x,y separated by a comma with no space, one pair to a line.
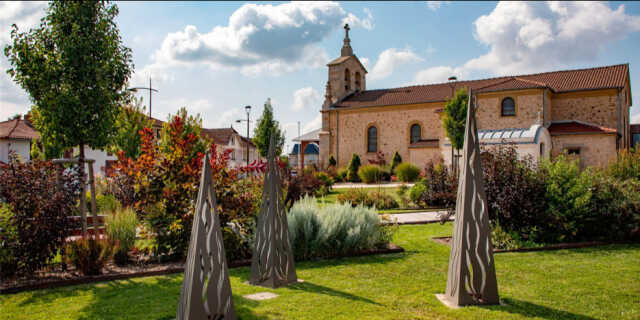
214,58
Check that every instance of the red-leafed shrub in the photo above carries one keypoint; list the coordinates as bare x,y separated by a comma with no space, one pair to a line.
38,208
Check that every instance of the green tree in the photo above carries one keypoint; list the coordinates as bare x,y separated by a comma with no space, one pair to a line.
354,166
266,127
396,160
36,151
455,116
183,124
74,67
130,120
332,161
14,117
51,145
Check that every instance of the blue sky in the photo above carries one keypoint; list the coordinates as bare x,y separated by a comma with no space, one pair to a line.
214,58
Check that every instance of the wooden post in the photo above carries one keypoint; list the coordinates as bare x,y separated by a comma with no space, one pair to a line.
92,185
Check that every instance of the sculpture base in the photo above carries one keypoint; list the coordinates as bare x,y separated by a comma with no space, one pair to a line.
453,305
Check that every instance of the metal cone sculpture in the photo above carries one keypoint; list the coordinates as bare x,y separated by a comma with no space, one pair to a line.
206,291
472,275
272,261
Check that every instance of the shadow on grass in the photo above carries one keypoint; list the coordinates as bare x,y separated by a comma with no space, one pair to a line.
529,310
353,260
318,289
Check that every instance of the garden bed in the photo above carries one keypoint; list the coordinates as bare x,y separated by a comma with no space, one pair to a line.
60,278
557,246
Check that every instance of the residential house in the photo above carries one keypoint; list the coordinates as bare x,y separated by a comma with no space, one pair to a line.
229,138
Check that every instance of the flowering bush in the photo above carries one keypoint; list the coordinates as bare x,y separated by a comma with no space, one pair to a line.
35,222
362,197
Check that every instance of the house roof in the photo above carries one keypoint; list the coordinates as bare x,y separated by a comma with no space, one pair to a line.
576,127
313,136
18,129
557,81
311,148
221,136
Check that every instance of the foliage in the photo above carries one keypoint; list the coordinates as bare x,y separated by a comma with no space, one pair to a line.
307,183
401,192
8,240
625,166
407,172
455,115
267,126
327,181
333,230
38,208
354,166
89,255
36,152
378,159
440,187
341,174
332,161
370,173
74,67
105,203
395,161
515,190
121,230
360,196
130,119
51,146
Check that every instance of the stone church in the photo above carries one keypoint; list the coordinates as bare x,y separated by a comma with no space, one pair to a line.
584,113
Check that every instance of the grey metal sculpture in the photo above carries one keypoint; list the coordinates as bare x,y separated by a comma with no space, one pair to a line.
272,261
472,276
206,290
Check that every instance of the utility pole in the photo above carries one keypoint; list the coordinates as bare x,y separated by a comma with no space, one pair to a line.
299,149
150,88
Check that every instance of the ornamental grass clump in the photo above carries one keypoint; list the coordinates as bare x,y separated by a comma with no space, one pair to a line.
370,173
121,229
406,172
89,255
334,230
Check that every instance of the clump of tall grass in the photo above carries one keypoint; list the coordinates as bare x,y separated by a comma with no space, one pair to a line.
334,230
121,230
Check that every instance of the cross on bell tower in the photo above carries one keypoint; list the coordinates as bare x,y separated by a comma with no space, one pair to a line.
346,46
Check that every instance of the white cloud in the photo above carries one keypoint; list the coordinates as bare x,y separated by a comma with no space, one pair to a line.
390,59
353,21
314,124
306,98
435,5
525,37
365,62
635,118
261,38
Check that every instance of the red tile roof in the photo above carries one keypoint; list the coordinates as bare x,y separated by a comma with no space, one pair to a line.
18,129
569,127
557,81
221,136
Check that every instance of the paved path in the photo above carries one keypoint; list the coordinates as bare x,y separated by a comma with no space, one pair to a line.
364,185
418,217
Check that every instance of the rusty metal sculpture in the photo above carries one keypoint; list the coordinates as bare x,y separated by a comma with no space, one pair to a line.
472,277
272,261
206,290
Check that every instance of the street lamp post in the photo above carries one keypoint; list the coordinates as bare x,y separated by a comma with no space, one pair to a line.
150,88
248,109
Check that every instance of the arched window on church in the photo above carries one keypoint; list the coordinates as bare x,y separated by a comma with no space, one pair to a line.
358,81
416,133
347,80
372,139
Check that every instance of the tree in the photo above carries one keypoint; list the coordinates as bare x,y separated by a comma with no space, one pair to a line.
455,115
51,145
130,120
332,161
14,117
36,151
266,127
395,161
74,67
354,166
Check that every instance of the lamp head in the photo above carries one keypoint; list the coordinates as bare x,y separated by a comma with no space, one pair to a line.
247,108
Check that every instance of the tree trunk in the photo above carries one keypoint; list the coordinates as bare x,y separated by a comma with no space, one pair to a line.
94,212
83,195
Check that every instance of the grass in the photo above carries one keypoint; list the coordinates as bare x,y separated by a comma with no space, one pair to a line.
590,283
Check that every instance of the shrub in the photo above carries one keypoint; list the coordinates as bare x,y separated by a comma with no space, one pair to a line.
8,240
354,166
326,180
307,183
341,174
121,229
625,166
416,192
89,255
378,159
336,229
360,196
37,210
440,187
105,203
369,173
407,172
332,161
395,161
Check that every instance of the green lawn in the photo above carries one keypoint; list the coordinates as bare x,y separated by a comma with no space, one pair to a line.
591,283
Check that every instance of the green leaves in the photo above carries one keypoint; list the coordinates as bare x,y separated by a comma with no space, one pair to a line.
455,115
267,126
129,121
74,68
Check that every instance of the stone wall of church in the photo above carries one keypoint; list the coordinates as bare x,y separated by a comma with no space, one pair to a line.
595,149
528,107
599,107
393,123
